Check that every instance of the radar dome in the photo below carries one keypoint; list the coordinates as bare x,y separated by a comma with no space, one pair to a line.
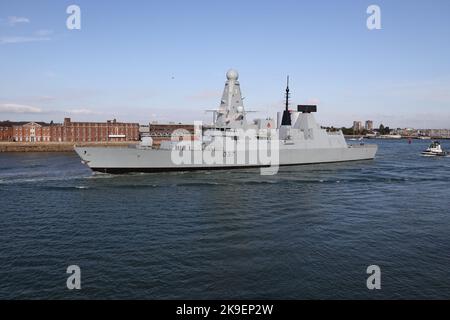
232,74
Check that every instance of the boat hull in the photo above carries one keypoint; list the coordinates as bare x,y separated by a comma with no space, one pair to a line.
127,160
434,154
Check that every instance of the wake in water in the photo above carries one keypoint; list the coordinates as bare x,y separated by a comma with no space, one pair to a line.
39,179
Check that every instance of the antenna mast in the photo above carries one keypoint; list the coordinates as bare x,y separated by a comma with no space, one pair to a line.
287,94
286,121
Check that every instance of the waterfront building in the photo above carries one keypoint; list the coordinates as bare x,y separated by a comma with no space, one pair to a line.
69,131
357,126
166,130
144,130
99,131
35,132
6,131
369,125
435,133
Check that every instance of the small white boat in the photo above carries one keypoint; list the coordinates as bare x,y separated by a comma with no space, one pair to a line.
434,150
390,136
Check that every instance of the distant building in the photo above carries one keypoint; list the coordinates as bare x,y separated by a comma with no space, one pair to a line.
110,130
166,130
357,126
26,131
369,125
144,129
406,132
69,131
162,132
6,131
435,133
36,132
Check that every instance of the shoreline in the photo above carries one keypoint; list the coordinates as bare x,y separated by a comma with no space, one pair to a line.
56,146
402,138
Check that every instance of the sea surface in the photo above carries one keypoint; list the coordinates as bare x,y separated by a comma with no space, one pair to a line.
309,232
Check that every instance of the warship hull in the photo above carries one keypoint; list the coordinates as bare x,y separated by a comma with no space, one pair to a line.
231,142
129,160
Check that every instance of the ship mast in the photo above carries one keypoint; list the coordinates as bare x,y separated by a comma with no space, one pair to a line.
286,121
287,94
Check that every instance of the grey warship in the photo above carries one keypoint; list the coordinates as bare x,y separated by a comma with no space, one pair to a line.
295,139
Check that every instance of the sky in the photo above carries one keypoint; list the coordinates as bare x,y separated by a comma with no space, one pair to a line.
146,60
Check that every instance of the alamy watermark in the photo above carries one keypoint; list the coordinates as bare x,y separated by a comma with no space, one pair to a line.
74,280
230,148
374,20
374,280
73,21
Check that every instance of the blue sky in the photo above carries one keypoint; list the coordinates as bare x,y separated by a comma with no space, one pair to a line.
166,60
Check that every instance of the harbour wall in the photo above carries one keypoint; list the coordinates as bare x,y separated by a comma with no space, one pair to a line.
56,146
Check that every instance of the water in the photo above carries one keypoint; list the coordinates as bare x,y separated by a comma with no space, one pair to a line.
308,232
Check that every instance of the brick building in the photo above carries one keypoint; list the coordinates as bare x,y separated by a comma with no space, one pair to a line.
69,131
162,132
166,130
99,131
35,132
6,131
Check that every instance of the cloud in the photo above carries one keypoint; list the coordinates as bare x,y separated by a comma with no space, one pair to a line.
84,112
18,108
37,36
10,40
28,109
13,20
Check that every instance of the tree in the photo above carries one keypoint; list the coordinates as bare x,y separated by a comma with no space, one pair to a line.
384,130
